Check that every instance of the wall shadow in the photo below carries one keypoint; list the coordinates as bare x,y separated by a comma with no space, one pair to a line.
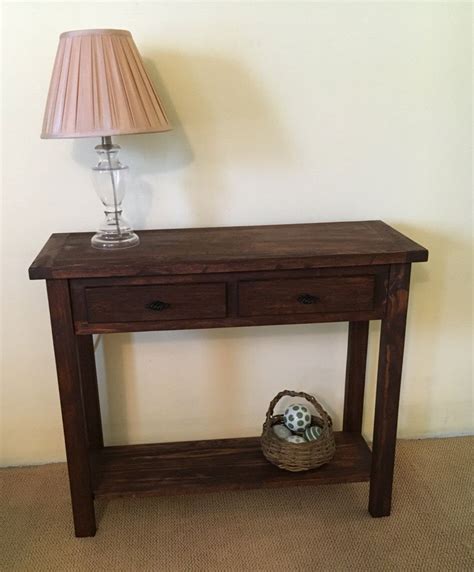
427,306
118,395
221,117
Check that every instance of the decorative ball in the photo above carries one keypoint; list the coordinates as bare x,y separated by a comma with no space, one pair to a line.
295,439
297,417
281,431
313,433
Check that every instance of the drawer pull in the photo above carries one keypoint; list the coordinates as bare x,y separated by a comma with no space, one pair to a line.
157,306
307,299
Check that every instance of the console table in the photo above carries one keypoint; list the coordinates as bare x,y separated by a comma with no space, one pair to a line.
219,278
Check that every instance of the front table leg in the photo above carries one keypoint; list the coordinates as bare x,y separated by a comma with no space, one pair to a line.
392,341
72,407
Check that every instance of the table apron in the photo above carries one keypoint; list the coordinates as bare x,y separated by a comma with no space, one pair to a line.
114,305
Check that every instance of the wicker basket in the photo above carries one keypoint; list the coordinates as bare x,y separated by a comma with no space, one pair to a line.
301,456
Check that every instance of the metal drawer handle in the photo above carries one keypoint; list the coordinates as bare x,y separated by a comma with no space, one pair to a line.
157,306
307,299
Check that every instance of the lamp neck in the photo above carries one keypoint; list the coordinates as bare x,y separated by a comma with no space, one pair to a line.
106,144
106,141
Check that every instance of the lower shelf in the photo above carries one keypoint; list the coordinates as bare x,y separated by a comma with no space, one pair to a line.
207,466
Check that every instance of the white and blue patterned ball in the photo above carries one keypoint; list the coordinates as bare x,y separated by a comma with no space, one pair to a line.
295,439
297,417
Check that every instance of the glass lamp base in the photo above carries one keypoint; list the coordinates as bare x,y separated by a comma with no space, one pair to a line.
109,180
114,241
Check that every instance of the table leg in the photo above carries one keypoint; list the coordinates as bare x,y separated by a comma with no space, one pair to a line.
355,376
90,391
72,407
392,339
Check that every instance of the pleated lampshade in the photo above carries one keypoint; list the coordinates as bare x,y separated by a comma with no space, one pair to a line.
99,87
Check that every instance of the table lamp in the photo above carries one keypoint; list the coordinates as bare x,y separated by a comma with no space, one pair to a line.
99,88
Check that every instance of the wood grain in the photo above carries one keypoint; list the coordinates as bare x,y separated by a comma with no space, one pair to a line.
231,249
207,466
355,376
72,407
108,305
198,324
90,391
392,341
134,303
280,297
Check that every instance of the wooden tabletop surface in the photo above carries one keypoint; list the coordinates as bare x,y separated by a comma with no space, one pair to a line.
229,249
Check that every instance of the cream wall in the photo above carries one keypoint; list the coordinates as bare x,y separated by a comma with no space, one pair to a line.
283,112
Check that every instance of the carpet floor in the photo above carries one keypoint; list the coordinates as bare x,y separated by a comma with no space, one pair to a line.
320,528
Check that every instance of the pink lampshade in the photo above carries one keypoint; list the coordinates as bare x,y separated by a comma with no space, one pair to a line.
100,87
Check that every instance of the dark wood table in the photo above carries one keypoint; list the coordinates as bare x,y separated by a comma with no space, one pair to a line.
216,278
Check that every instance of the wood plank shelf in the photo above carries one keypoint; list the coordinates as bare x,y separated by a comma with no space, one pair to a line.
208,466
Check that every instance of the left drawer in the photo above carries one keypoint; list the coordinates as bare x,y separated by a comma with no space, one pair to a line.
153,303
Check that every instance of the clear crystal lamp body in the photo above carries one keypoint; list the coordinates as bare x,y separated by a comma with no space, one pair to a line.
110,178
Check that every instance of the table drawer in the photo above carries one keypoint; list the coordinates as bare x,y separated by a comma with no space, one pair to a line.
307,295
153,303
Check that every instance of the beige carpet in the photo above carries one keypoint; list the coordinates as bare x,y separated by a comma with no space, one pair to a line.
321,528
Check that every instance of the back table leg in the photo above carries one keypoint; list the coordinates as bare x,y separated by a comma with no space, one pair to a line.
90,391
67,350
355,376
392,340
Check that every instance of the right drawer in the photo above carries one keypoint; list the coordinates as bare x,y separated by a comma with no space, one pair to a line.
307,295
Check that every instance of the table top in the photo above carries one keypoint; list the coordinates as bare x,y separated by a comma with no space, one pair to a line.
229,249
